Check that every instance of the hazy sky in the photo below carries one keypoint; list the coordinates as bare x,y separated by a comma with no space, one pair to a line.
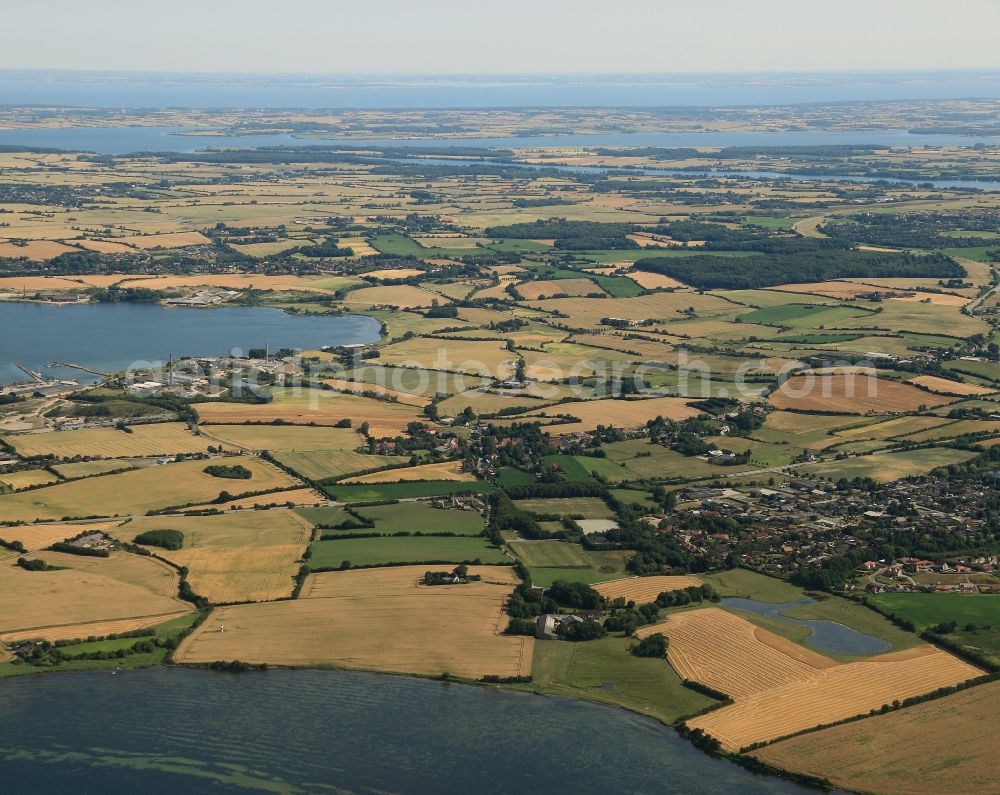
471,36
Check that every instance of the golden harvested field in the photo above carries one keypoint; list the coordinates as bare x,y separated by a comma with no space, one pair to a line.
25,478
840,692
653,281
302,496
445,470
244,556
242,281
940,299
732,655
84,469
847,394
898,315
103,246
832,289
323,464
321,406
779,687
359,387
643,590
482,357
620,413
360,246
658,306
168,240
401,296
35,249
139,491
39,536
152,439
33,284
642,348
541,288
88,596
944,745
393,273
945,386
377,619
280,438
483,402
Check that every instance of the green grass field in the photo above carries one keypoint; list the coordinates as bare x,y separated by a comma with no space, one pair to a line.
928,609
172,629
424,518
981,611
402,549
603,670
586,507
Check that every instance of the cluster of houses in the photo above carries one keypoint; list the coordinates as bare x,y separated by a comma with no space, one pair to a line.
803,522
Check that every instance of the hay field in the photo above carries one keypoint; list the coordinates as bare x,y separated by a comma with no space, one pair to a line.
25,478
401,296
376,619
285,438
84,469
161,438
483,357
89,596
321,406
587,507
33,284
360,387
243,281
302,496
654,281
139,491
485,402
35,249
542,288
658,306
891,429
732,655
325,464
889,466
643,590
852,395
945,386
168,240
935,747
246,556
620,413
444,470
839,692
779,687
36,537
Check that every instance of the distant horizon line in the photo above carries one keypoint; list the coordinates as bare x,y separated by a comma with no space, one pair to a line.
27,71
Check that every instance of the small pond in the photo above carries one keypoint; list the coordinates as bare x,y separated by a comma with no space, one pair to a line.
826,636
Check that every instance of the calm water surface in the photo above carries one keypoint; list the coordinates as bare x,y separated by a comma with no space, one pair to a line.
828,636
111,337
124,140
170,730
